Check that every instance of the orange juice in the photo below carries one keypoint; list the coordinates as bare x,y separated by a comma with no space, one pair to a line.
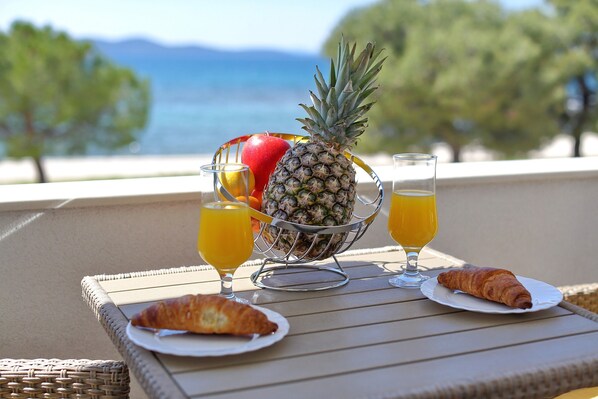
412,221
225,239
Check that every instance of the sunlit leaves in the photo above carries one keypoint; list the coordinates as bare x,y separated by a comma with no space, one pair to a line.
464,72
59,96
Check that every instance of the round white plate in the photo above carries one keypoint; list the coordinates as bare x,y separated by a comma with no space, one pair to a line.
544,296
189,344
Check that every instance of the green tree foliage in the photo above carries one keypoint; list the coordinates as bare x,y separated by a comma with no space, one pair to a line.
579,63
59,96
459,72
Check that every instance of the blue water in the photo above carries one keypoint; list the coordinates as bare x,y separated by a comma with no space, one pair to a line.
199,104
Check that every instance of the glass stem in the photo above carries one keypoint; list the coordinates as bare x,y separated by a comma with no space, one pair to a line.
226,285
411,269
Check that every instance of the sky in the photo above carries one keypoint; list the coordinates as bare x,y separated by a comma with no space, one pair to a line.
287,25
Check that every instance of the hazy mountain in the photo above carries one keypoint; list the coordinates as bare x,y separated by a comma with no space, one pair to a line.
148,49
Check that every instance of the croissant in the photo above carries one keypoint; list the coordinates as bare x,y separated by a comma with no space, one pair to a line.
205,314
498,285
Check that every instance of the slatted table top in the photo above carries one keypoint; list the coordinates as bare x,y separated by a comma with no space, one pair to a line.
365,339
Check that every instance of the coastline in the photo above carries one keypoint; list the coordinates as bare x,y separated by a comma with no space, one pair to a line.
15,171
58,169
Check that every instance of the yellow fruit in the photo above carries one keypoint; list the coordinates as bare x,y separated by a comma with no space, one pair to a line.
233,182
255,204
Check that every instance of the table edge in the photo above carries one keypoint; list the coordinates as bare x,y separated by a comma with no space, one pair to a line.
579,310
152,377
547,381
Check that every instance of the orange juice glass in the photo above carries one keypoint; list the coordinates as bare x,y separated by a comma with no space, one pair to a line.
225,237
412,221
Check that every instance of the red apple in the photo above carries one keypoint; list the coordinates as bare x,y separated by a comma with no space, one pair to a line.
260,153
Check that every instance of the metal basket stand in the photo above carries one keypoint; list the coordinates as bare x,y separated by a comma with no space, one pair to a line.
261,275
280,266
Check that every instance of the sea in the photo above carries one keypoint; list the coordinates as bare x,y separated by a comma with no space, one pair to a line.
201,102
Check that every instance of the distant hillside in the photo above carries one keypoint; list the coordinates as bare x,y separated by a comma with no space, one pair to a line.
148,49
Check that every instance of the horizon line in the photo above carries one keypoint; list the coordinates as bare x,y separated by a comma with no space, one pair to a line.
202,46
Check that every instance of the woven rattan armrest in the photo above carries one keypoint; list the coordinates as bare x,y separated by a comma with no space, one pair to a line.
56,378
584,295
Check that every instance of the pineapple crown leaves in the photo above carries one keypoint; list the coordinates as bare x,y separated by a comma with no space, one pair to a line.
337,114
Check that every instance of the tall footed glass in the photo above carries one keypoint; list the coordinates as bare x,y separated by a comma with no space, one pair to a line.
412,221
225,238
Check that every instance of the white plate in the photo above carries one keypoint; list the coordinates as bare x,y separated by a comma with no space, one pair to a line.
544,296
188,344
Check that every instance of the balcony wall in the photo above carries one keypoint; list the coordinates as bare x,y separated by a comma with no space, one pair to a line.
537,218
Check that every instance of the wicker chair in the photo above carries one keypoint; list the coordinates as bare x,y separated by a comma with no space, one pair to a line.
54,378
584,296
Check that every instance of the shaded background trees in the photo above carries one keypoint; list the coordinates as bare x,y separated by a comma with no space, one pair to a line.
579,63
59,96
467,72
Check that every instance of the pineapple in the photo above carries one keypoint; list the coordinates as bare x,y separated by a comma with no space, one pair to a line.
314,183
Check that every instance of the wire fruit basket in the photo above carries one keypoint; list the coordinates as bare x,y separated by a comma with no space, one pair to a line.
279,266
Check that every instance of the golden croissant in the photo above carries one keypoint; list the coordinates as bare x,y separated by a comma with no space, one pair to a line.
205,314
498,285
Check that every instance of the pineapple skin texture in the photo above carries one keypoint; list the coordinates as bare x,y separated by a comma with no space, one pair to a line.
313,184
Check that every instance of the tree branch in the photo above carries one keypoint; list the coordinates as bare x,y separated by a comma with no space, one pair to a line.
4,129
